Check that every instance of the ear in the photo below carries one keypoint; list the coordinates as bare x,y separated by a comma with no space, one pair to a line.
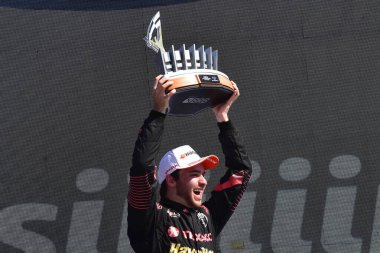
155,172
170,181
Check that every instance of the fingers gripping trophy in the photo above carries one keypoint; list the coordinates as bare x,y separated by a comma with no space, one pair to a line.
193,72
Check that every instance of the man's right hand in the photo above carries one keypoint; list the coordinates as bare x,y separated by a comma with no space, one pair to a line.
160,98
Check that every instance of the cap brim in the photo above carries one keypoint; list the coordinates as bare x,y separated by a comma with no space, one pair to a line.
208,162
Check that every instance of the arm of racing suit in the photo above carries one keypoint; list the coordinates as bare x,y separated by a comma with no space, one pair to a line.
227,194
143,186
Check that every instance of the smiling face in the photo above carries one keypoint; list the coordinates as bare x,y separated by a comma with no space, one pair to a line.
189,188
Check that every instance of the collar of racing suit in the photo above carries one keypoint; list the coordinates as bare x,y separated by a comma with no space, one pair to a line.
177,206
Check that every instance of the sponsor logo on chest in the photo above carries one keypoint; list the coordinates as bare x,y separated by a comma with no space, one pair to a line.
178,248
174,232
173,214
203,219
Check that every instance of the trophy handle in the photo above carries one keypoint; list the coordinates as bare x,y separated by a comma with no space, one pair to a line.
153,36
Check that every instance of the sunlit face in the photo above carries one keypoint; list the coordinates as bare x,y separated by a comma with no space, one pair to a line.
190,186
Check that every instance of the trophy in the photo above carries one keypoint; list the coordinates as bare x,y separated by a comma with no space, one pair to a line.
194,72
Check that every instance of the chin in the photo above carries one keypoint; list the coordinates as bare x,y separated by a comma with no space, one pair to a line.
196,203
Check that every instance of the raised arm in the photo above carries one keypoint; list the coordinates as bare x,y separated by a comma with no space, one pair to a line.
149,138
227,194
143,186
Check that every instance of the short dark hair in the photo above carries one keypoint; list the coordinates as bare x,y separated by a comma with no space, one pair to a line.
164,188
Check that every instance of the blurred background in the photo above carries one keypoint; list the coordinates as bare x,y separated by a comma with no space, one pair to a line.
75,84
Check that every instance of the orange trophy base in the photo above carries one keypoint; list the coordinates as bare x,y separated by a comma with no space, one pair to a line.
197,90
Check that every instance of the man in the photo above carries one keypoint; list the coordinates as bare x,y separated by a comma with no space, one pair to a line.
179,222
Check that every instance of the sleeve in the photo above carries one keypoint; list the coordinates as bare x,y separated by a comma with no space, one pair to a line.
143,186
226,195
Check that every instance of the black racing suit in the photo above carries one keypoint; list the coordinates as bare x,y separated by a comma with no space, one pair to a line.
156,225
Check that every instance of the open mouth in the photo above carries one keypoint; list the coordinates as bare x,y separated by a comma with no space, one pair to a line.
198,194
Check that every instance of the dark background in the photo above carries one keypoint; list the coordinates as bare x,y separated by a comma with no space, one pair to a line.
75,81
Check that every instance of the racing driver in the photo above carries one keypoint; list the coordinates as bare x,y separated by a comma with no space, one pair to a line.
165,208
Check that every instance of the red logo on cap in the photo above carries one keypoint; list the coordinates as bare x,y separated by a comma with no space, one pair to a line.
173,232
171,168
212,160
182,156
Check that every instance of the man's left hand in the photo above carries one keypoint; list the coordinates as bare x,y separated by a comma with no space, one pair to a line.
221,111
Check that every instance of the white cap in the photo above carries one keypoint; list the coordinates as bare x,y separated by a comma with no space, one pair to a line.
183,157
